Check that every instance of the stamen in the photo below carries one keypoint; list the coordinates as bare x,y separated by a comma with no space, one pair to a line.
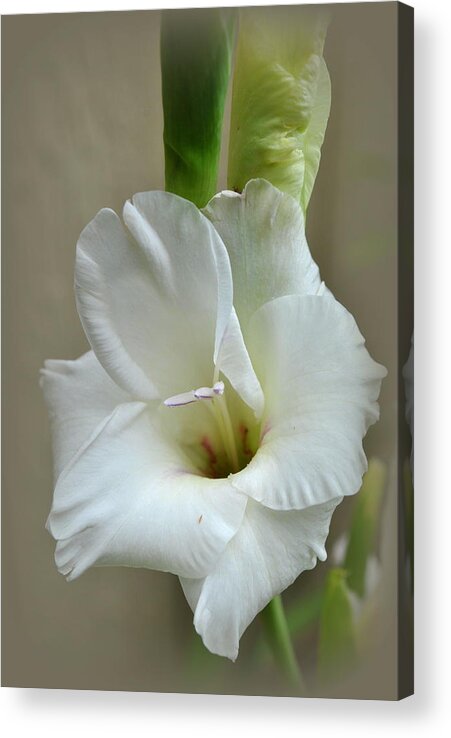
219,410
185,398
202,393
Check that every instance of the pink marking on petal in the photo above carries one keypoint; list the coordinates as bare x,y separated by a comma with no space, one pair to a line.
244,434
206,444
212,458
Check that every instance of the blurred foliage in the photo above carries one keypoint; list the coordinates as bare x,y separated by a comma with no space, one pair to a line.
346,591
337,643
364,525
278,635
304,613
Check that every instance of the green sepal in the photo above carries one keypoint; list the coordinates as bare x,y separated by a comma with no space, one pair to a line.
196,52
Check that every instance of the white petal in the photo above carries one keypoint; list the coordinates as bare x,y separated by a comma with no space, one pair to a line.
154,305
267,554
188,261
156,302
199,288
79,396
233,360
321,388
263,230
111,288
131,498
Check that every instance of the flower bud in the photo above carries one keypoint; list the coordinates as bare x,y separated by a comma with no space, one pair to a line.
281,99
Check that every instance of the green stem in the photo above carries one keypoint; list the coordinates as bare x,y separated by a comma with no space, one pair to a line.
278,635
196,57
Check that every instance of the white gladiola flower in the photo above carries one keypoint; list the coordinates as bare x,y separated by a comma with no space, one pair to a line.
218,420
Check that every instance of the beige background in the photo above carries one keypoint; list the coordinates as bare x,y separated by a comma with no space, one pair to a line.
82,129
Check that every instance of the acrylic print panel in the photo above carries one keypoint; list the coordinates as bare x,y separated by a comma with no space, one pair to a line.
195,438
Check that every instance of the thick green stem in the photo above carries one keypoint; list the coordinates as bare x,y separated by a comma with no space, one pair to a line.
196,56
278,635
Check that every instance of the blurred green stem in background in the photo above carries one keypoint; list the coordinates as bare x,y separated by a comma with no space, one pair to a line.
281,99
196,53
301,616
276,629
364,526
348,590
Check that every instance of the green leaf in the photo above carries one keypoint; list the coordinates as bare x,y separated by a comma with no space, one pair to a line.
281,99
364,525
196,52
337,640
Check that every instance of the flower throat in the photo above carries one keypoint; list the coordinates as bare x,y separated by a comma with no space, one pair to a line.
214,398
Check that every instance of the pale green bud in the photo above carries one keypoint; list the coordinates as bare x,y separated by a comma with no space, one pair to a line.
281,99
337,637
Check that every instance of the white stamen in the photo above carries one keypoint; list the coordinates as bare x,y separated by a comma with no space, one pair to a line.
202,393
185,398
219,410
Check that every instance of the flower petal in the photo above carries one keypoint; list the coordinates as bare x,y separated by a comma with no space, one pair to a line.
79,396
154,305
234,361
263,230
189,265
130,497
200,279
156,301
267,554
321,388
111,288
